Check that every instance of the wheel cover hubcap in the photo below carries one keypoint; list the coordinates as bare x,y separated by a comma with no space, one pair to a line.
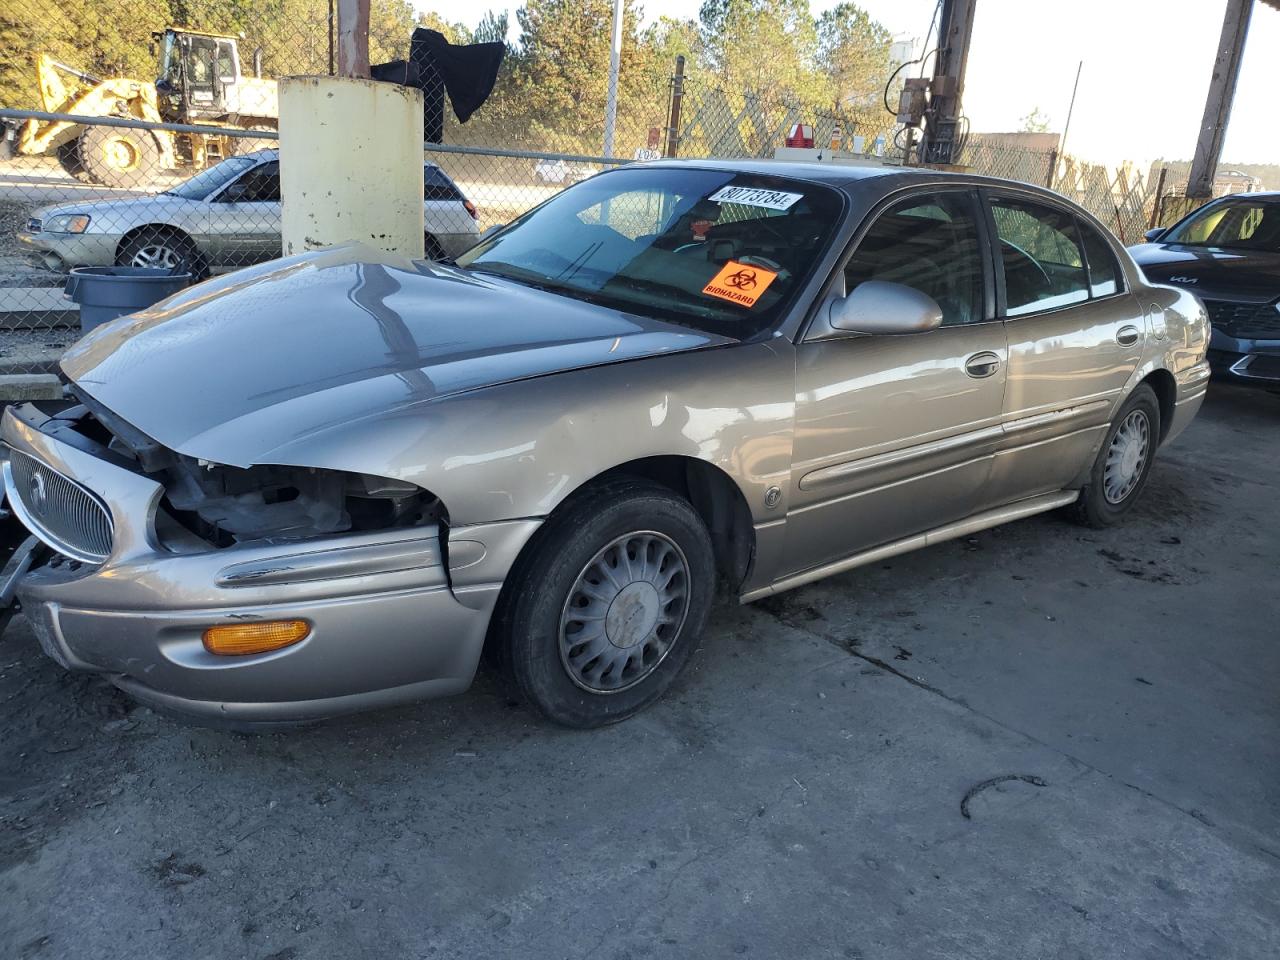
1126,457
155,255
624,612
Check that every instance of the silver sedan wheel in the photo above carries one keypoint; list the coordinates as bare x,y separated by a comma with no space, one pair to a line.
1127,456
156,255
624,612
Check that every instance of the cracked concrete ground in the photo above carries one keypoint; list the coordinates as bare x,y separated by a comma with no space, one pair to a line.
797,795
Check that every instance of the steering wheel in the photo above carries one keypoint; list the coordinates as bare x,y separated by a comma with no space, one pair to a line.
1025,263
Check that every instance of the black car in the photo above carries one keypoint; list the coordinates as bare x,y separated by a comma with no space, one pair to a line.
1228,253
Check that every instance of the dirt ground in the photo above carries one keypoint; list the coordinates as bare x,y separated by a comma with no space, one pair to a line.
1043,741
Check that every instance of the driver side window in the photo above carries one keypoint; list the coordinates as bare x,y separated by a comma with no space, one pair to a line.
929,242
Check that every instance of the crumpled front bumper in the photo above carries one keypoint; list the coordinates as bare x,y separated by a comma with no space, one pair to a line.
393,617
71,249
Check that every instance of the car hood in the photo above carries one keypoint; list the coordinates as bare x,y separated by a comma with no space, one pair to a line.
232,369
1212,272
129,205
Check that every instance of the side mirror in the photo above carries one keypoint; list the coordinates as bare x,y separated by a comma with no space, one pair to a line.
1153,236
878,307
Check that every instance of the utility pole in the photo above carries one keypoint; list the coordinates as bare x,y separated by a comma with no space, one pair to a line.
1061,152
942,118
615,59
677,98
1217,106
353,39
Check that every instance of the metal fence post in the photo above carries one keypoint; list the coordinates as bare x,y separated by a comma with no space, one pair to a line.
1156,207
1053,168
673,121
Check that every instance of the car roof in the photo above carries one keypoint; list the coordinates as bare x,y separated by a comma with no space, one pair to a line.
273,153
834,174
1266,196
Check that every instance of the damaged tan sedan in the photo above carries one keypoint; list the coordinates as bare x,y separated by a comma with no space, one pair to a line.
328,483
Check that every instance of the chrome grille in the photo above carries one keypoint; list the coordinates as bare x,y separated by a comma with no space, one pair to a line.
60,511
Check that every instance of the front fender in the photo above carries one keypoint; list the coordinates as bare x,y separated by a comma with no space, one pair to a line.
519,449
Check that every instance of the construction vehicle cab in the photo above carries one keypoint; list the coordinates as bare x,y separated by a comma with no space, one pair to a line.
201,81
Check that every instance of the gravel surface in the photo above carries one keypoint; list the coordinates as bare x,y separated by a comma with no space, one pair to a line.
1042,741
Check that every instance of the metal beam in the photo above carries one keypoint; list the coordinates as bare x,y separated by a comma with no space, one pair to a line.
353,38
942,119
1217,106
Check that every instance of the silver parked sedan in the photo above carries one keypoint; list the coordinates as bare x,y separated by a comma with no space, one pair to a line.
326,483
225,217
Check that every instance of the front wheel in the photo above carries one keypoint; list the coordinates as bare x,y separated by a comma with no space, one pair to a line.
1124,462
161,250
119,157
605,607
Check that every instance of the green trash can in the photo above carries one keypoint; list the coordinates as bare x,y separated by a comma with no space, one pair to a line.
105,293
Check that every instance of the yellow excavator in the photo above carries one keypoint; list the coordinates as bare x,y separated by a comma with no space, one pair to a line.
200,82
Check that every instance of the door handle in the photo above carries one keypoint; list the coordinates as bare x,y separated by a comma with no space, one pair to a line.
1127,336
982,365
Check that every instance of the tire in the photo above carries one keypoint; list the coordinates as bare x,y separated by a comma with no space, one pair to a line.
431,249
619,656
68,155
164,249
119,157
1124,463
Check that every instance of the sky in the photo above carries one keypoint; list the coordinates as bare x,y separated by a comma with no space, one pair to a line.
1146,68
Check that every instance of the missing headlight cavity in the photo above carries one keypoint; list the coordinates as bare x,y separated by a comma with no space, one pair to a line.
222,505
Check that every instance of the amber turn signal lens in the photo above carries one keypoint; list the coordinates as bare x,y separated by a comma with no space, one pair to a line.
239,639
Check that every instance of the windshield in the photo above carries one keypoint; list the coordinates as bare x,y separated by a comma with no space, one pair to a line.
719,251
1241,224
207,181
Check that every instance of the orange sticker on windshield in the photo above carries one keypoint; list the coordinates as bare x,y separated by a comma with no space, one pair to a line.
740,282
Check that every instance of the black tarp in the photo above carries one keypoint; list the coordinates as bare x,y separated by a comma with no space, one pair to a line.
465,73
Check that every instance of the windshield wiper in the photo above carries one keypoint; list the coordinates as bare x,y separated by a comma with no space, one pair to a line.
527,278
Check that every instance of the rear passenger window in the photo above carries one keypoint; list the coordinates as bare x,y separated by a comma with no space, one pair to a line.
437,186
1041,256
930,243
1104,270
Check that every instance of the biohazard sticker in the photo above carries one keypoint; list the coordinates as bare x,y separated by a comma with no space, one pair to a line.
740,283
756,197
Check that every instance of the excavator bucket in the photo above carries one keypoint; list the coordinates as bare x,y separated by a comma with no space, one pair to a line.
112,156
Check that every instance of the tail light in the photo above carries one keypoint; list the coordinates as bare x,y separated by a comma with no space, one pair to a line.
471,209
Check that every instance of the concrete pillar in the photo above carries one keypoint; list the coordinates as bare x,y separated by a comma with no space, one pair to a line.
350,164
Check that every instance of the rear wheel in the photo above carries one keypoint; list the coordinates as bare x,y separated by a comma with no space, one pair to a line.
162,250
604,609
431,248
119,157
1124,462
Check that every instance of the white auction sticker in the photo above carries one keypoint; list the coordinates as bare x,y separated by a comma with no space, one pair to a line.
756,197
